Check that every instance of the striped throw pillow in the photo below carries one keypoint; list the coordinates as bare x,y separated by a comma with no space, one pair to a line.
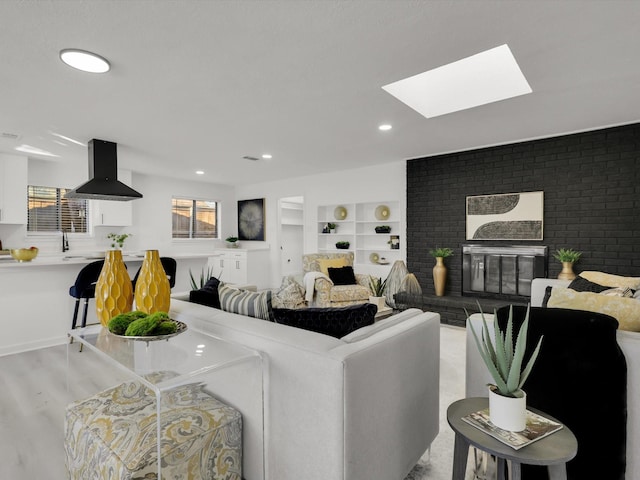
247,303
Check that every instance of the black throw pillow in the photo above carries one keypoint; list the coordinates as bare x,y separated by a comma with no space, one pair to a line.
334,321
580,284
342,276
207,295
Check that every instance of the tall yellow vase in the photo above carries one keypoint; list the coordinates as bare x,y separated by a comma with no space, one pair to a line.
153,293
114,293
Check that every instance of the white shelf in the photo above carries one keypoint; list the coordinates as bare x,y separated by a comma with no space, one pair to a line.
358,228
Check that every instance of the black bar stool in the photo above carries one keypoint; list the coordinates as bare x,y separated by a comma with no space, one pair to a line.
85,287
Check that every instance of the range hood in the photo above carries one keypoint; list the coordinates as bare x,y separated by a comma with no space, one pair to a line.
103,181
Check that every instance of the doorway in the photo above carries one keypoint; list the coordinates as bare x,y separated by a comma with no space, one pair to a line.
291,235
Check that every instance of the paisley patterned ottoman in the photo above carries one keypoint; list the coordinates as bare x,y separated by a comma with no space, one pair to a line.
112,435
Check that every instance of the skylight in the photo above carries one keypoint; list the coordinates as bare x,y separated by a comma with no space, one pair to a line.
486,77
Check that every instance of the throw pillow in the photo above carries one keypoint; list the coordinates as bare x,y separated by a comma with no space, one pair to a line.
336,322
625,310
243,302
325,263
342,276
207,295
290,295
581,284
612,280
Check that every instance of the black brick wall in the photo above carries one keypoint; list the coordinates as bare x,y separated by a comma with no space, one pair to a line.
591,184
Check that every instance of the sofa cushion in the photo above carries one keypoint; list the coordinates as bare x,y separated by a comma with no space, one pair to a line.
342,275
349,293
334,321
366,332
625,310
207,295
581,284
289,295
612,280
243,302
325,263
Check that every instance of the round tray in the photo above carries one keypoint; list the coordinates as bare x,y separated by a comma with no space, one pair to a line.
151,338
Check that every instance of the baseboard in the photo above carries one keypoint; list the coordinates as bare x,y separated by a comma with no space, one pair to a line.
27,346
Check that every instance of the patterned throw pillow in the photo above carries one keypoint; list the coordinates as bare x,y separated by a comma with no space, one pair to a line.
243,302
290,295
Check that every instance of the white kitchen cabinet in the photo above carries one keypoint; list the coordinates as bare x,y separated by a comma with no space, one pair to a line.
109,213
13,189
241,266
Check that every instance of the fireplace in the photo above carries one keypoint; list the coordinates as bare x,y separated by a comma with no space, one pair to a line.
503,271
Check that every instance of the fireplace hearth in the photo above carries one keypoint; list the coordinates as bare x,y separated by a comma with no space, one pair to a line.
502,271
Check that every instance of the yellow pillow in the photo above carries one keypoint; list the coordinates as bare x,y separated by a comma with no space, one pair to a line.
609,280
625,310
325,263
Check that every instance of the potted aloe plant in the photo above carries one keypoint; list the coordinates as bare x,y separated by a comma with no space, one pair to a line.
504,359
567,256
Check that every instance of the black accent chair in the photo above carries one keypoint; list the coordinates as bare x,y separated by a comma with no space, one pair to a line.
85,288
580,378
170,266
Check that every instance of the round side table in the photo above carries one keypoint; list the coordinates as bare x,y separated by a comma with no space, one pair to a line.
553,451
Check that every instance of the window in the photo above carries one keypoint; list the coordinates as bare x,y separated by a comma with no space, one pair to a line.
194,218
49,211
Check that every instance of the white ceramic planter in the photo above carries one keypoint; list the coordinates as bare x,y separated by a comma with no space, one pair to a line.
508,413
379,301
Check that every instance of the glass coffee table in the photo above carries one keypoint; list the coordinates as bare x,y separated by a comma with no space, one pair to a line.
231,372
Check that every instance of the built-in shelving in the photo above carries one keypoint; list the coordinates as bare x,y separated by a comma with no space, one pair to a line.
358,228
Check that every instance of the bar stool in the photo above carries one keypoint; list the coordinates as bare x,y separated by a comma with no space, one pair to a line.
85,287
170,266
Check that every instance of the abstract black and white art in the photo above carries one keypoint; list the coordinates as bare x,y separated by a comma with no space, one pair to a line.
251,219
506,216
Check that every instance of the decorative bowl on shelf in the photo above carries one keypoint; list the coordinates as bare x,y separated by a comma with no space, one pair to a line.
24,254
382,212
340,213
342,245
383,229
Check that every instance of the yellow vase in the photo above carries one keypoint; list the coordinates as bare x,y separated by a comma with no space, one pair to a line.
114,293
153,293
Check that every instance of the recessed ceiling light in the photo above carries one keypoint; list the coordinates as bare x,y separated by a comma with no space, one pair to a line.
483,78
267,156
85,61
384,127
199,172
35,151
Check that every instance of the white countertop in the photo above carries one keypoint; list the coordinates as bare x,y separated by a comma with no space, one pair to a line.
74,258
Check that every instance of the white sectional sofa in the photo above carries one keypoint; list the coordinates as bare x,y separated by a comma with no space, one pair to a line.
477,376
360,408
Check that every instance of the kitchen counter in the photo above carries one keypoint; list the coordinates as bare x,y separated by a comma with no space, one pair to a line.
79,258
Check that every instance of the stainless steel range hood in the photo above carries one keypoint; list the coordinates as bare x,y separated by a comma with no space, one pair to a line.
103,181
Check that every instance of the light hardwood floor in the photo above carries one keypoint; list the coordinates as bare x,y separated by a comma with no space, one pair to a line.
33,396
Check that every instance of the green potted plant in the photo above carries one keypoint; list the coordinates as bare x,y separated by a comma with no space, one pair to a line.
377,287
383,229
117,239
567,256
504,359
342,245
232,241
439,270
205,275
332,227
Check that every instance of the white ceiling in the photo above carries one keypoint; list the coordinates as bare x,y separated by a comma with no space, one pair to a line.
199,84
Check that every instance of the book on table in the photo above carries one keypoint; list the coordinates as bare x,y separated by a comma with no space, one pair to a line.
537,427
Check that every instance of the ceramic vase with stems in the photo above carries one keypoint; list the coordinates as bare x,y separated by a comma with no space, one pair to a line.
153,292
114,293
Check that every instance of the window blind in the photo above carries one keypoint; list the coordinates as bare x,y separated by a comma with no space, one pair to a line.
49,211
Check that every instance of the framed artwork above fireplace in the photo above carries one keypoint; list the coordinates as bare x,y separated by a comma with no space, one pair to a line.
505,216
